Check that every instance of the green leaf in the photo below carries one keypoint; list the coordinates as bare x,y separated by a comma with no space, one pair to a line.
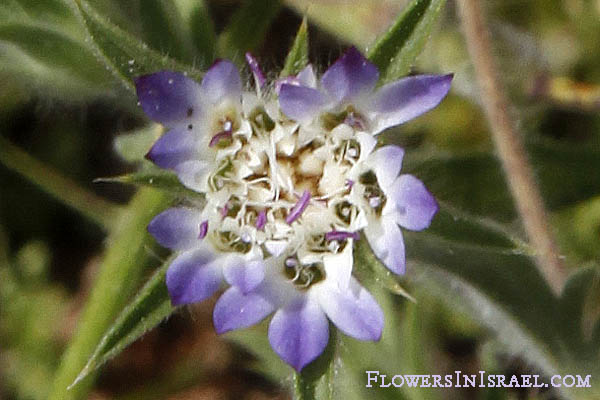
149,308
297,58
247,28
123,54
396,50
201,29
474,181
495,283
166,30
154,177
45,57
368,269
120,273
316,380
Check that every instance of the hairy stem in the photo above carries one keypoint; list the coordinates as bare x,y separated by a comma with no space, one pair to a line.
510,147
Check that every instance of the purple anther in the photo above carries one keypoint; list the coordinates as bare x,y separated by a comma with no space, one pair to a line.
261,220
259,76
221,135
349,183
341,235
203,230
298,208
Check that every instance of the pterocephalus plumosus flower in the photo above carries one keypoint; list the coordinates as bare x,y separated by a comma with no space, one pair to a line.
292,176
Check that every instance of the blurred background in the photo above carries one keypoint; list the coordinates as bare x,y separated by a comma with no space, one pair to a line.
62,112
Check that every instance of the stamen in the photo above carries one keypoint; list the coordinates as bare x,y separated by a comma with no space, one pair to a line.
226,134
349,183
203,230
261,220
299,208
341,235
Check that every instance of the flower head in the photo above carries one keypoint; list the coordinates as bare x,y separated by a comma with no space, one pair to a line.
291,179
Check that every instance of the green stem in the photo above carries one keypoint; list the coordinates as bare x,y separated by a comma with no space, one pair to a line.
61,188
120,273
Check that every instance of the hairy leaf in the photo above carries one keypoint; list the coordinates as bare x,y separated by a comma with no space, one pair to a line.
297,58
120,273
150,307
247,27
396,50
123,54
154,177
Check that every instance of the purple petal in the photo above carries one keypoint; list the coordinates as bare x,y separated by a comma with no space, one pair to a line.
301,103
243,274
387,162
299,333
351,75
307,77
167,97
415,205
193,277
176,228
407,98
259,76
172,148
387,244
236,310
221,82
354,311
298,208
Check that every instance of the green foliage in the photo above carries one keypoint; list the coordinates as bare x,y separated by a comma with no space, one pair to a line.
395,52
122,54
247,28
121,270
149,308
297,57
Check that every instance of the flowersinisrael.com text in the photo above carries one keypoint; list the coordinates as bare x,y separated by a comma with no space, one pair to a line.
482,379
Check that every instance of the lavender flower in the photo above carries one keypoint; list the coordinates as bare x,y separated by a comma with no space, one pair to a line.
290,177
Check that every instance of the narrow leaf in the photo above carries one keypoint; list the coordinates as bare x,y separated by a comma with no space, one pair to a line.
368,269
202,31
124,55
297,58
247,27
316,380
120,273
149,308
495,282
166,30
396,50
154,177
95,208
